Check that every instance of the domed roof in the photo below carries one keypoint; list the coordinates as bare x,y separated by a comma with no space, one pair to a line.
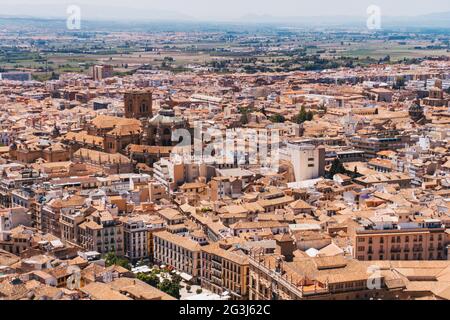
166,116
415,106
416,111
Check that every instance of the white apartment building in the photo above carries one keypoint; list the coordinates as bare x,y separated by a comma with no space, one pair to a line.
11,218
307,160
173,175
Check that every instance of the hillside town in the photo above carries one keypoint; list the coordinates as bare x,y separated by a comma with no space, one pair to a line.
155,185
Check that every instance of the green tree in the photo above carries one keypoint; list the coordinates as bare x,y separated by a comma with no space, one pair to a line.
151,279
336,168
277,118
244,111
302,116
244,118
112,259
171,287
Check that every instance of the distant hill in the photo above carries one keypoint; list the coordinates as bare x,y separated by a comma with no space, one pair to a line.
435,20
132,18
93,12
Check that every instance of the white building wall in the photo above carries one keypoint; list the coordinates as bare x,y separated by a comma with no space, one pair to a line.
305,160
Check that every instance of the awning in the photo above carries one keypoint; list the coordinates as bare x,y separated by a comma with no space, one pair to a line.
185,276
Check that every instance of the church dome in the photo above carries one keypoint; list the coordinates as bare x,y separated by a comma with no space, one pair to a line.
166,116
416,107
416,110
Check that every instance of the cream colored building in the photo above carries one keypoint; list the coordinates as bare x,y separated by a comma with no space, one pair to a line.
179,252
427,242
225,271
102,233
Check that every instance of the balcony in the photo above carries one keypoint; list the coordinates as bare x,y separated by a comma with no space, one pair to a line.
218,277
217,273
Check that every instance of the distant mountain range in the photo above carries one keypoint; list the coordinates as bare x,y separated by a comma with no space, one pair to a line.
137,16
434,20
93,12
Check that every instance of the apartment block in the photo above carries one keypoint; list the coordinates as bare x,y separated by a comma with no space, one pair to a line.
224,271
179,252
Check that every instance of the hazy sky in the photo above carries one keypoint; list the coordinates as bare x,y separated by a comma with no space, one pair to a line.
218,9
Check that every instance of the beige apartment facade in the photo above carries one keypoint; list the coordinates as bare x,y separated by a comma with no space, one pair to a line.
323,278
408,244
224,271
101,233
179,252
